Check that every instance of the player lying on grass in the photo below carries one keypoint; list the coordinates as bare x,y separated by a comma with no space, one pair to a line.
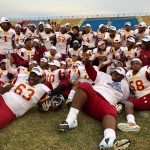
98,101
17,99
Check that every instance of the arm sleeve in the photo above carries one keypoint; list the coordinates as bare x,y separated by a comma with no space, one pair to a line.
58,90
92,73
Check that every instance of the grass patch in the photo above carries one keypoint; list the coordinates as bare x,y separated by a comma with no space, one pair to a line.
38,131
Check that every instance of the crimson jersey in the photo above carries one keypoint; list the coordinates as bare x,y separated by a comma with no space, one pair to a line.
139,83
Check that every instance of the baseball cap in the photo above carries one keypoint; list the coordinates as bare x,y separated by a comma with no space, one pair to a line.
33,25
120,70
67,24
127,24
46,55
101,25
131,39
26,39
146,38
3,61
47,26
142,24
117,61
44,60
75,41
41,23
117,40
55,63
87,25
37,70
63,62
53,47
74,54
4,19
136,59
36,40
100,42
32,62
18,25
112,28
138,43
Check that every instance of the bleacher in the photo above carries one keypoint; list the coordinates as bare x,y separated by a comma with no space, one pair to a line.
72,21
95,23
117,22
146,19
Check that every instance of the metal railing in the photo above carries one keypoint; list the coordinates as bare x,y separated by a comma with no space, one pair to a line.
82,16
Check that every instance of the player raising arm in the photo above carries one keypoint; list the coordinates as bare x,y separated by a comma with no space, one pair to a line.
98,101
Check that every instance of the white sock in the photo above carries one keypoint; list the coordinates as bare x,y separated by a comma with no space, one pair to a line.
131,118
109,133
71,94
72,115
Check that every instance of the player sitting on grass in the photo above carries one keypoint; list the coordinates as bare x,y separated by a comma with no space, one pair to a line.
139,80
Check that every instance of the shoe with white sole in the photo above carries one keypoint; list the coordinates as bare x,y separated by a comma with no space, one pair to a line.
115,144
126,127
121,144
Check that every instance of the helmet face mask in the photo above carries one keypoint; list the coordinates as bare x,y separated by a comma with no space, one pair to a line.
57,102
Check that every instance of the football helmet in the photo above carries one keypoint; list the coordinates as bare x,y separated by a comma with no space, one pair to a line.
53,103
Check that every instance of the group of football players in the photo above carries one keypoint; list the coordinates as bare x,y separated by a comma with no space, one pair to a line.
100,72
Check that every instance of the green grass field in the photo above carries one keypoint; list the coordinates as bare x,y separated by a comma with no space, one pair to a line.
38,131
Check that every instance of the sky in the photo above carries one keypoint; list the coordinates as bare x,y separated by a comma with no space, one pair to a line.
52,8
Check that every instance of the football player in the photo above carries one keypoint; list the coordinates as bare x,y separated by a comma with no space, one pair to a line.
99,102
17,99
139,81
7,38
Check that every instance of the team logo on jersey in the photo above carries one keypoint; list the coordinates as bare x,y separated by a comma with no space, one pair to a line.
116,86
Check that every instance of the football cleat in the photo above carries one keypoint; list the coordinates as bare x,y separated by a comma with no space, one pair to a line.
65,126
128,128
106,143
116,144
121,144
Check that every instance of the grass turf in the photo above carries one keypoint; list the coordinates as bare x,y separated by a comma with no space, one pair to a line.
38,131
